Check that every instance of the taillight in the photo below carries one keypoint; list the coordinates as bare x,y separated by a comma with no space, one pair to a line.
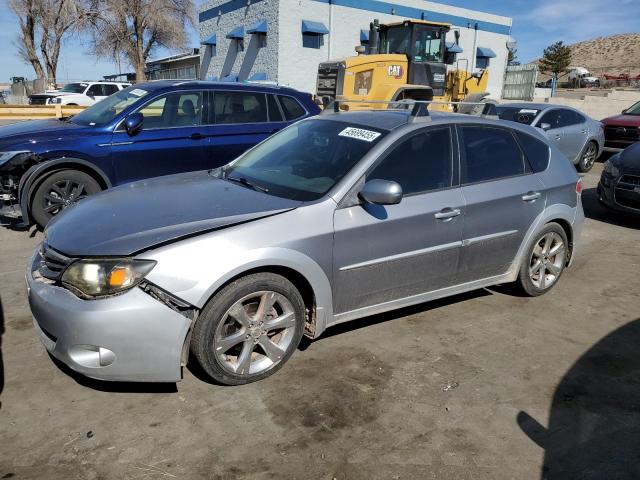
579,186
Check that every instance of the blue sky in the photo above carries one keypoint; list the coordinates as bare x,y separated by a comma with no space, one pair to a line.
536,24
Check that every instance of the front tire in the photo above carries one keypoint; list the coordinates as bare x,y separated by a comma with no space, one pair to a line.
545,261
249,329
588,157
58,191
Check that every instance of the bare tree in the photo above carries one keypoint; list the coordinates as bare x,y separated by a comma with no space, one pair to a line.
44,24
137,27
28,13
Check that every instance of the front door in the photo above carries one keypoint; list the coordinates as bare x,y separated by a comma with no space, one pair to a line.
502,199
385,253
575,133
173,139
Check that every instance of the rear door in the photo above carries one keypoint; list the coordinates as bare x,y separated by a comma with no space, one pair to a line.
240,120
503,197
172,140
385,253
575,133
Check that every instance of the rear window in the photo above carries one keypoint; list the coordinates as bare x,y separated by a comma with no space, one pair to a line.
536,151
517,114
292,109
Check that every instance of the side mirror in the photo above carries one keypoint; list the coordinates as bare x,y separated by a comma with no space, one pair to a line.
545,126
133,123
381,192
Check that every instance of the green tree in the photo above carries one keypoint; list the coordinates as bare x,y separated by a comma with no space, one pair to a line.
512,59
556,59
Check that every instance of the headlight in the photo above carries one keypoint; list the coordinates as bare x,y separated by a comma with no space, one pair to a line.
54,100
96,278
611,169
6,156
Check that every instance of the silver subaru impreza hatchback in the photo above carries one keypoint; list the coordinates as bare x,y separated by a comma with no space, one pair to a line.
335,218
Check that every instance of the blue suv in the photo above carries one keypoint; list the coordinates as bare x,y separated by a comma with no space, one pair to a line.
143,131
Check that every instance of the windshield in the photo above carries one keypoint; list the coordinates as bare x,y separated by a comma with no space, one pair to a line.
517,114
634,109
428,44
74,88
106,110
304,161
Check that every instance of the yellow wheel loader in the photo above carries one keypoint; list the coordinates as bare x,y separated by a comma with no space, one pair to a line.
404,61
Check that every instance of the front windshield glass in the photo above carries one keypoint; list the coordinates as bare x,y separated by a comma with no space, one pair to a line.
517,114
634,109
428,44
106,110
74,88
304,161
395,40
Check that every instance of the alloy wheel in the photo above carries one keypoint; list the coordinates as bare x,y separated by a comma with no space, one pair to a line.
547,260
254,333
589,157
63,194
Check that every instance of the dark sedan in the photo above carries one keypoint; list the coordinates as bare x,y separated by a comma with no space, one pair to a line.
619,186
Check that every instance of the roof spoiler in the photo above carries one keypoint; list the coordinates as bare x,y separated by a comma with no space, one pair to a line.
419,108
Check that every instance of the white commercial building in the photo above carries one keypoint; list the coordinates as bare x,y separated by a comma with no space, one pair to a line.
284,40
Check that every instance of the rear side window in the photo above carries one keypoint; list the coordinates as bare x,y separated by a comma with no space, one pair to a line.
275,115
419,163
536,151
292,109
109,89
96,90
240,107
489,154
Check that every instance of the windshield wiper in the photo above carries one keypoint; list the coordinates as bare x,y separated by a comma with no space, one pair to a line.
247,183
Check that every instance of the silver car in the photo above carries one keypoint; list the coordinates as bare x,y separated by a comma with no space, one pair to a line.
333,219
578,136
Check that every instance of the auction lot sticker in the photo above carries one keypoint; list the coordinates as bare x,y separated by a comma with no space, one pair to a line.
359,134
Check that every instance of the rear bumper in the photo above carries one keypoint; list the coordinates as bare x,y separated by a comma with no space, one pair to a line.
129,337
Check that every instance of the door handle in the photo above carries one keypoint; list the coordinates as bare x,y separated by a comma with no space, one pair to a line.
531,196
447,214
558,137
196,136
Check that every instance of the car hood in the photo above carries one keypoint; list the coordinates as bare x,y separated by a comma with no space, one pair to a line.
623,120
629,159
36,130
137,216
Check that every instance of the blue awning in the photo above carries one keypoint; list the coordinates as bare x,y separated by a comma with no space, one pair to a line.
258,27
484,52
229,78
314,28
258,76
236,34
453,47
212,40
364,36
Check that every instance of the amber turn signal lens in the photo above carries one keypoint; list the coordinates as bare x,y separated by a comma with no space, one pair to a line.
119,277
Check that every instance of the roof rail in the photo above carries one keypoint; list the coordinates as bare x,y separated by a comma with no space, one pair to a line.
419,108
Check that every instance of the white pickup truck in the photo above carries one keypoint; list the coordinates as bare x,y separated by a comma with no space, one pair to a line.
78,93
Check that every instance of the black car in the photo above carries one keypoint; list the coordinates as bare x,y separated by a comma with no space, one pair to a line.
619,186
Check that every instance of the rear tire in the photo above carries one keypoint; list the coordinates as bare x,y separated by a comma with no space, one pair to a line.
59,190
249,329
544,262
587,157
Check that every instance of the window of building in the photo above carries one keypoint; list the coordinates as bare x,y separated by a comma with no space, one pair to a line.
489,154
312,40
420,163
291,108
239,107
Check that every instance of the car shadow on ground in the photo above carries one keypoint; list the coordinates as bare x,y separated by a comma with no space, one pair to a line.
595,210
1,359
114,387
594,422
